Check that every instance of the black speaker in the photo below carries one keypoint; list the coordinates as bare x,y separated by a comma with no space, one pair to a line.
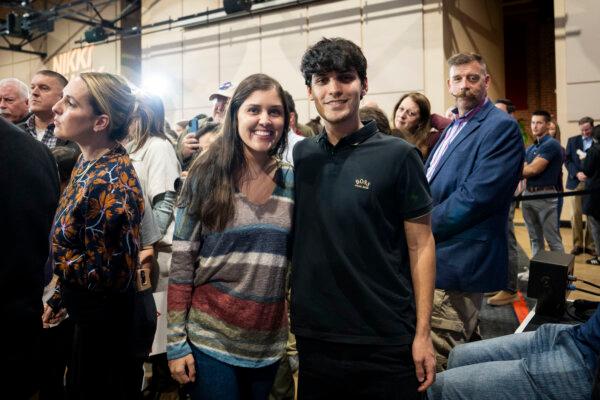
548,280
233,6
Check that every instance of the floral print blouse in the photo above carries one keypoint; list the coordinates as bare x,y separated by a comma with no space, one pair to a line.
96,232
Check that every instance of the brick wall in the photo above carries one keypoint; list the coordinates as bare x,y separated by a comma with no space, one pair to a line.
532,49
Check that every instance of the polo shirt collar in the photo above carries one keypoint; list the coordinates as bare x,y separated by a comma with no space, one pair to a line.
354,139
543,139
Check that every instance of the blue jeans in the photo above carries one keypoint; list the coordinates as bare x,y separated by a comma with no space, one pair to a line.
545,364
216,380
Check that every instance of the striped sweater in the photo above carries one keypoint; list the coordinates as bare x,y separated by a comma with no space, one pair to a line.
226,292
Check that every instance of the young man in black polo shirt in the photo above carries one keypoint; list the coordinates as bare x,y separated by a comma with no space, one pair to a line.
364,256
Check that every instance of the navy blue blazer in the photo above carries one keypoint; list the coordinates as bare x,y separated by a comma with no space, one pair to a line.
472,189
572,161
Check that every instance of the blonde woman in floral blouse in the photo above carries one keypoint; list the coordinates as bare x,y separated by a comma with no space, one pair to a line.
95,239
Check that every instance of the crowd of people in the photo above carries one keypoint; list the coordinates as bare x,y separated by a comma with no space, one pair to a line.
356,248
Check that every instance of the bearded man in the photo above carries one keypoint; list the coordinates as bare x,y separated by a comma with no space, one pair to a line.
472,171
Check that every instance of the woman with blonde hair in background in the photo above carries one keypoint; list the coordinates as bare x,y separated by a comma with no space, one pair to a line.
158,168
156,164
95,240
554,131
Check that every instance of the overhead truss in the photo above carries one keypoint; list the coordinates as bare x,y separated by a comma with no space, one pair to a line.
28,21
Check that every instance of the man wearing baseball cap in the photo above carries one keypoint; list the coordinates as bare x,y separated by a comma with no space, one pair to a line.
220,99
188,144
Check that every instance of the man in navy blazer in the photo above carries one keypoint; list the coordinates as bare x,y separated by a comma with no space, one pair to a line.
576,148
473,171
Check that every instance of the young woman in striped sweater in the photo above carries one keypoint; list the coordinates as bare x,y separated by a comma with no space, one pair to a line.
226,296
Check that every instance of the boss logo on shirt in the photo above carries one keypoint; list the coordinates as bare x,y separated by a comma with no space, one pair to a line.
362,184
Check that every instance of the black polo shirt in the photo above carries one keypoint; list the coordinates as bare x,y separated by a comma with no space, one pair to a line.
351,280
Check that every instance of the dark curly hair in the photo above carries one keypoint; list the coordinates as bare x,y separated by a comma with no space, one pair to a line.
333,54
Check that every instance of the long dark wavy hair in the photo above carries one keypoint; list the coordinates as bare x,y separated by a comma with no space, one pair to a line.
211,183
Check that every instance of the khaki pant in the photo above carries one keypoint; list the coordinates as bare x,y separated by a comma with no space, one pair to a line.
284,386
454,320
580,239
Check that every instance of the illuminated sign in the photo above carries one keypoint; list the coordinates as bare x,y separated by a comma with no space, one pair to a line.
75,61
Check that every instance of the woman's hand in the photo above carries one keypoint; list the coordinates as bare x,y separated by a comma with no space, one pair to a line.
51,318
183,369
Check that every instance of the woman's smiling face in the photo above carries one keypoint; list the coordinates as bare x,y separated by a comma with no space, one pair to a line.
261,120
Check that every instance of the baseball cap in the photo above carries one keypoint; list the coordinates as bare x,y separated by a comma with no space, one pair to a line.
225,89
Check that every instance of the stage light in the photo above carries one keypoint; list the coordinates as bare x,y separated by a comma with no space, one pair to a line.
156,84
96,34
233,6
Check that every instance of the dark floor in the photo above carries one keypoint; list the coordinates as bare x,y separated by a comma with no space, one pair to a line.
499,321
